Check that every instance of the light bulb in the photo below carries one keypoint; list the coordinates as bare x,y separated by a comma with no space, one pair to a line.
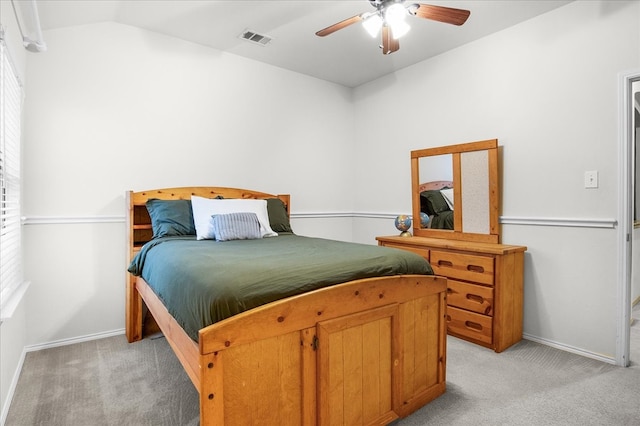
399,29
394,17
373,24
394,14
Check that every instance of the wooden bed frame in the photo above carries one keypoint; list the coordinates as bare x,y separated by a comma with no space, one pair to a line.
362,352
435,185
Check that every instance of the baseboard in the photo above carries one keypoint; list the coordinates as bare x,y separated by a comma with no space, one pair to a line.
571,349
73,340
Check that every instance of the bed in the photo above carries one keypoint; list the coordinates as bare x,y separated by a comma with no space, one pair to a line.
436,200
362,351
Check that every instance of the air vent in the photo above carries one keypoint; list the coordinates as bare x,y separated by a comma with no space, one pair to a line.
254,37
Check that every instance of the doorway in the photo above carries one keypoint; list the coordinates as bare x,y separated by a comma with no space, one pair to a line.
626,293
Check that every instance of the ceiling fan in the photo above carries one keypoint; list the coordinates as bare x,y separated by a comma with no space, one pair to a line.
389,17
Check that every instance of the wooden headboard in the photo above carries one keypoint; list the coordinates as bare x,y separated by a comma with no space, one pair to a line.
435,185
139,229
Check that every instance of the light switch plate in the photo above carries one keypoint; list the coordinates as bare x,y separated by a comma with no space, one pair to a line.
591,179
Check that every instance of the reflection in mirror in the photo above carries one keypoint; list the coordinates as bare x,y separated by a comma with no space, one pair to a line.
437,167
457,187
436,191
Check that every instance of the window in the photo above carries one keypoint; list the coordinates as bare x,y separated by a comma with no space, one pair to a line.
10,233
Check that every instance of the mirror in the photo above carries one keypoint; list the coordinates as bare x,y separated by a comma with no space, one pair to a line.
456,187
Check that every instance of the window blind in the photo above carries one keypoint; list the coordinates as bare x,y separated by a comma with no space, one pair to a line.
10,124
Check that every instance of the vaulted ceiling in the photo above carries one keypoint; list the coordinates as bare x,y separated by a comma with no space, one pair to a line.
349,57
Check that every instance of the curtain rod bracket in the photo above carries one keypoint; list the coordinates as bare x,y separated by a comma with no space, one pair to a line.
37,45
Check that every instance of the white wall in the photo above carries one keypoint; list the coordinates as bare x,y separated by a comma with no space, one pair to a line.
12,330
548,90
114,108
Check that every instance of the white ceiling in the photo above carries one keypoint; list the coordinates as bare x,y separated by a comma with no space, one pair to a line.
349,57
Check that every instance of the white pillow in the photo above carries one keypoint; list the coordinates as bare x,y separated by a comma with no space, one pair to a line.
448,196
204,208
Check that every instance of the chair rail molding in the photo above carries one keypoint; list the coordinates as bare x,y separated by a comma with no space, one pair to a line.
505,220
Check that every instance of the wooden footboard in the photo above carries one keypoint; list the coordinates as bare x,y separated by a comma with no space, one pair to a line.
364,352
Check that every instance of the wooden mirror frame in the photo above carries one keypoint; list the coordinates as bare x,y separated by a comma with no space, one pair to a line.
456,151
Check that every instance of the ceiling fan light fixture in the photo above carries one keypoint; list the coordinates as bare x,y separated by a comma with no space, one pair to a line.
373,24
395,17
389,18
399,29
395,13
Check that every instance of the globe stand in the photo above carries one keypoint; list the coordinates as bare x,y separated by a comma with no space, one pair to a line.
406,234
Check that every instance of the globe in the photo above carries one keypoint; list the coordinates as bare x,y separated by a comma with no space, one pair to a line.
403,224
424,220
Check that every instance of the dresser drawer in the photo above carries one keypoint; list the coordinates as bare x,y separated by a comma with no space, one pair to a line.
470,325
418,250
471,297
463,266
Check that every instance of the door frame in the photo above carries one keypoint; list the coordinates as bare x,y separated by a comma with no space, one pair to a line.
625,228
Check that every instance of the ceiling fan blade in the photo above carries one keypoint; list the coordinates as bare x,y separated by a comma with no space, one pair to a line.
447,15
389,44
340,25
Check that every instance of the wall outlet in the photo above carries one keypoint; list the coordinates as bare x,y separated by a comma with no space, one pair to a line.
591,179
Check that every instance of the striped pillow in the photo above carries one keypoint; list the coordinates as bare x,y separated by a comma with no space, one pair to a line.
235,226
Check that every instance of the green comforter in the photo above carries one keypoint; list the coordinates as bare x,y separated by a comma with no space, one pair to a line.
202,282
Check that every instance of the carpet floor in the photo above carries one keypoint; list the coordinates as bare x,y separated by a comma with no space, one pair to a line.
110,382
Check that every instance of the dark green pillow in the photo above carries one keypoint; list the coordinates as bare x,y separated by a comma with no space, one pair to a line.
171,217
278,217
434,202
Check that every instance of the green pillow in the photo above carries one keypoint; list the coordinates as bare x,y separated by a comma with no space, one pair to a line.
171,217
278,217
434,202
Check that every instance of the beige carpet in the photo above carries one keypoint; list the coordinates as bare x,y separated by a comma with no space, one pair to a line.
104,382
111,382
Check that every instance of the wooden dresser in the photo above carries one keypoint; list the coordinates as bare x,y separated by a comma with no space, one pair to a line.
484,289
